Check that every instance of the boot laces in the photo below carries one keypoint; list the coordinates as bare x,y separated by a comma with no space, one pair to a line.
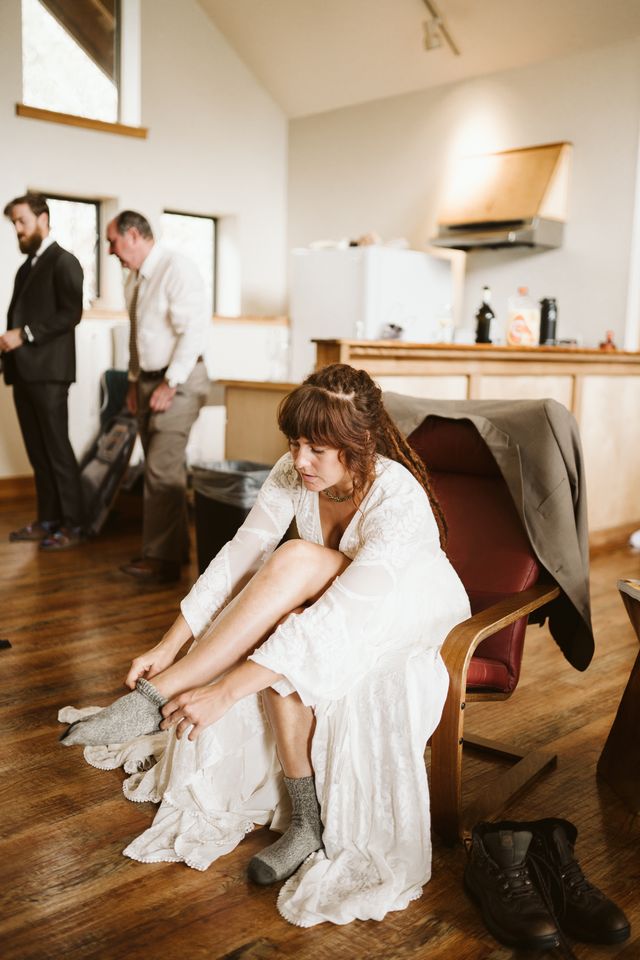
577,883
516,882
544,868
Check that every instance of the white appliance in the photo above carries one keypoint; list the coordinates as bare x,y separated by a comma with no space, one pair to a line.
354,293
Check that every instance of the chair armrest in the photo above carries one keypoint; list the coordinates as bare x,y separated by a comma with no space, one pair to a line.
630,587
463,639
447,740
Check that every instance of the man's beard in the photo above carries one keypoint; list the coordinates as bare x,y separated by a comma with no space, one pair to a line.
31,244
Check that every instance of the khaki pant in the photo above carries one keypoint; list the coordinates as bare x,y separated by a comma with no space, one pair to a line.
164,436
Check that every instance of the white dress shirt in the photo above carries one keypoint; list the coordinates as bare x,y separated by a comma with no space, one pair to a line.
46,243
171,313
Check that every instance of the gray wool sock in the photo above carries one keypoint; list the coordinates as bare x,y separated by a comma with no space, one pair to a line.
130,716
304,835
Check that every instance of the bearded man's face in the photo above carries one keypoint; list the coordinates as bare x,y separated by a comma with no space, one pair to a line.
30,229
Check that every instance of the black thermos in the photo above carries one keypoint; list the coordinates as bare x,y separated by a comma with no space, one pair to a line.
548,319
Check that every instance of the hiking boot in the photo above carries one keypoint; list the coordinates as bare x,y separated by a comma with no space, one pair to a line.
583,912
497,878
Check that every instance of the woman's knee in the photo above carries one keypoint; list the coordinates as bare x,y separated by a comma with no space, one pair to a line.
294,552
307,568
300,555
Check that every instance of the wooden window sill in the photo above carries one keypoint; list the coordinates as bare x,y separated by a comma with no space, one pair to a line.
275,321
106,313
52,116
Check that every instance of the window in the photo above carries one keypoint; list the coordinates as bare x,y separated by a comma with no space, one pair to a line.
75,224
70,56
195,236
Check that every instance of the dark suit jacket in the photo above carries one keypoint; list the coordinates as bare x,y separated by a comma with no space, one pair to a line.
47,297
536,445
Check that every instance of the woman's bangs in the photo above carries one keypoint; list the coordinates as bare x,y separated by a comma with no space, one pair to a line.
307,413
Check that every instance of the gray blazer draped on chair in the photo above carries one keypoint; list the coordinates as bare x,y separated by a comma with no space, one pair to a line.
536,445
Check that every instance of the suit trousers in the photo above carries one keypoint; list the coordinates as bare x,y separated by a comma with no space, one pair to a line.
164,436
44,421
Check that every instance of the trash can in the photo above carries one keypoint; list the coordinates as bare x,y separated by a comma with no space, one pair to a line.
225,491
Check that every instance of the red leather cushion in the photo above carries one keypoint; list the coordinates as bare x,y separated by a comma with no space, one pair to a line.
487,544
487,674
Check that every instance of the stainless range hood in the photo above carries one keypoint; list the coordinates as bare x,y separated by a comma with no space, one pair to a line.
516,198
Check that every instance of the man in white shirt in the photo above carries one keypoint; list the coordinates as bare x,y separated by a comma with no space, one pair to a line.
168,383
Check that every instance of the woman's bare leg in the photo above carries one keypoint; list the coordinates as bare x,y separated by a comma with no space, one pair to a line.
296,572
293,725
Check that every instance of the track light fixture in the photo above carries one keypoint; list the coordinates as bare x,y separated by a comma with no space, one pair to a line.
432,35
436,30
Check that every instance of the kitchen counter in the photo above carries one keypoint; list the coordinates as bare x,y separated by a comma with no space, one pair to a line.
601,388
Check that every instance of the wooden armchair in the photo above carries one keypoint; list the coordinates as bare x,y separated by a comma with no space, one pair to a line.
490,550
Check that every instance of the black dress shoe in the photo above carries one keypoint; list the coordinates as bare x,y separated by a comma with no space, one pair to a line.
497,877
150,570
582,910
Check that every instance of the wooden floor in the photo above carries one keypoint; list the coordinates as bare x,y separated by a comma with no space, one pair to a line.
74,622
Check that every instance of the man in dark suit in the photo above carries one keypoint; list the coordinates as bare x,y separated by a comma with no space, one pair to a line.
39,360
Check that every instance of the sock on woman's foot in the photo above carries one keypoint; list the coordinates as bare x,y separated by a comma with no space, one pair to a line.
304,835
130,716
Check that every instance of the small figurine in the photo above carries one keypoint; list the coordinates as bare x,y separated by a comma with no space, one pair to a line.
392,331
608,343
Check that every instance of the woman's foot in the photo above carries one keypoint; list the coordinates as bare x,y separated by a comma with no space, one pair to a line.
130,716
303,837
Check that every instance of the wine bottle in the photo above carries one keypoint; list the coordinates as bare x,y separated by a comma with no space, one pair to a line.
484,318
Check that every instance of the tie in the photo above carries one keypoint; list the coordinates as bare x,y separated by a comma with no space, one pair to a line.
134,360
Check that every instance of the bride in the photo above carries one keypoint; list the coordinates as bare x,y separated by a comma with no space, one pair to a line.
311,686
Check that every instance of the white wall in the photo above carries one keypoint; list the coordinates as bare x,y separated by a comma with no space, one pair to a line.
217,145
381,167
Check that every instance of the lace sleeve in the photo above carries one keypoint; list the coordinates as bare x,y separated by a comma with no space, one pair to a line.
325,650
258,536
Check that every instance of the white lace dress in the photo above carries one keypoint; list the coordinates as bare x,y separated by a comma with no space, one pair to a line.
366,657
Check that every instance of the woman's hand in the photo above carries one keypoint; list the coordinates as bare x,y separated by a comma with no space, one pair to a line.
202,706
154,661
197,708
150,664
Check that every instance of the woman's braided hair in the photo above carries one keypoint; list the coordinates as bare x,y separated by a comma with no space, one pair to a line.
341,407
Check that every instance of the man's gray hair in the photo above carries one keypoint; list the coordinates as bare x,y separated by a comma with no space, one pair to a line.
130,218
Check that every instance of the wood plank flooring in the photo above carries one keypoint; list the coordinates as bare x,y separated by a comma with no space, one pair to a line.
74,623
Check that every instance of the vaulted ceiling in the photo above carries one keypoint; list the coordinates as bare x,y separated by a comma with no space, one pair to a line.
318,55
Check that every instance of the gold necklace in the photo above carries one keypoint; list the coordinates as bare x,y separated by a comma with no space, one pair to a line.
335,499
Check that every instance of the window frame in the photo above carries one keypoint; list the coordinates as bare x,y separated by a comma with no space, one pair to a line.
96,252
204,216
128,81
117,56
